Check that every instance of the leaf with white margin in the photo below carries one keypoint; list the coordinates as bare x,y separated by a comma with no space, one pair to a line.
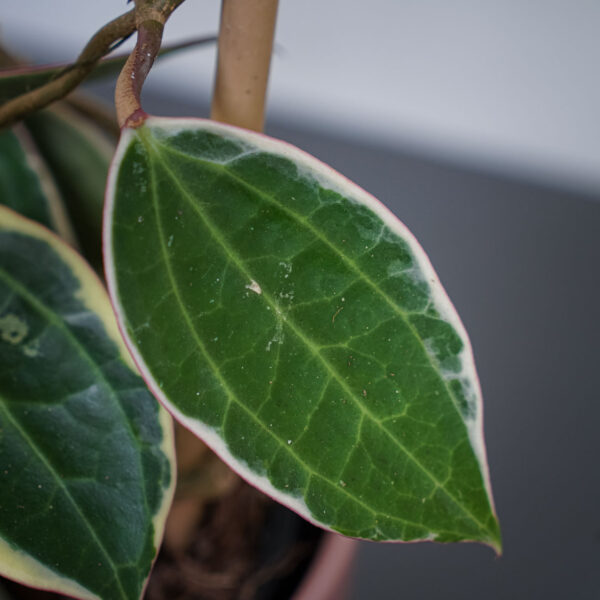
78,155
86,454
26,184
295,325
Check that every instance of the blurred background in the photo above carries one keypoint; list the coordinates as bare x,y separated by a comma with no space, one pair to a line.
478,124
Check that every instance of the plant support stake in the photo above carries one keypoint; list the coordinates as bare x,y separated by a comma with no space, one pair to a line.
245,46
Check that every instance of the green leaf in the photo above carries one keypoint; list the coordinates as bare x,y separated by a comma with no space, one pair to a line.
85,452
20,80
78,156
293,323
26,184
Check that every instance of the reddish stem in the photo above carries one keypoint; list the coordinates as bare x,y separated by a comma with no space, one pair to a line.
150,16
134,73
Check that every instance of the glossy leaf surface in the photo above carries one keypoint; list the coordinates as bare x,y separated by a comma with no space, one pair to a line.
25,183
20,80
85,451
295,324
78,156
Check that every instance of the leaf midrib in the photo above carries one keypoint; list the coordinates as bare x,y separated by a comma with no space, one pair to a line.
229,392
222,168
149,144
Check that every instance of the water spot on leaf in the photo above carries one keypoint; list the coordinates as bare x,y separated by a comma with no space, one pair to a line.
278,336
287,267
32,349
13,329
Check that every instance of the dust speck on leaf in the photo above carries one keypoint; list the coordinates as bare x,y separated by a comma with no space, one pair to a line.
337,312
253,286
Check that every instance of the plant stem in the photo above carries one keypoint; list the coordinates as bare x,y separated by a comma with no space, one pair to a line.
245,46
150,19
134,73
100,44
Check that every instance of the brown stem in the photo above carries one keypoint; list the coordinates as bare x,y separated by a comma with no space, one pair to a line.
245,46
95,49
134,73
150,17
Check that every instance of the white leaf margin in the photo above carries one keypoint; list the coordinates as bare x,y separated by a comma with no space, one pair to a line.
16,564
328,178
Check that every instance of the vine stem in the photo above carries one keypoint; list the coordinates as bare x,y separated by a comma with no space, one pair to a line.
150,19
98,46
245,47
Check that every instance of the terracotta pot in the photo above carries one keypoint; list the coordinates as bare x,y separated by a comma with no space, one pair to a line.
328,577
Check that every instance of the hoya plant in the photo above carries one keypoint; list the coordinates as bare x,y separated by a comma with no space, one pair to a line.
272,307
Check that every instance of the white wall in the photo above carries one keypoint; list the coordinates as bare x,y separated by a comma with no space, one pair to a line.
509,83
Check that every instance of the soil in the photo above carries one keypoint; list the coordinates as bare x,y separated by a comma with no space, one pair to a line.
246,547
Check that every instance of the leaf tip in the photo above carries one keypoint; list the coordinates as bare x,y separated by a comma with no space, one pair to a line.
494,540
